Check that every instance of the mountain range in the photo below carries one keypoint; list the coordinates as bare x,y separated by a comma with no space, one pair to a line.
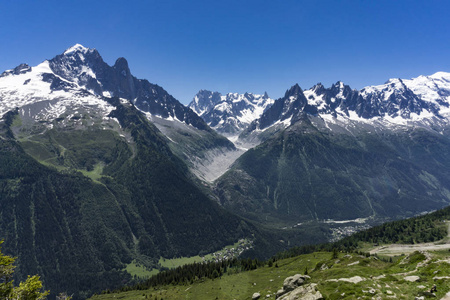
89,184
232,113
100,170
338,153
422,101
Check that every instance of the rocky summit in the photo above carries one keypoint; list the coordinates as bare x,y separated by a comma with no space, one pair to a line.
232,113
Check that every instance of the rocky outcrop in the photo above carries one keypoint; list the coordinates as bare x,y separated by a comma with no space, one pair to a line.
413,278
20,69
296,288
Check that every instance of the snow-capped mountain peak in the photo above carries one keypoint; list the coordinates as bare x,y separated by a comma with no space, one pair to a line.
81,66
422,101
77,48
229,114
445,76
81,71
434,89
43,96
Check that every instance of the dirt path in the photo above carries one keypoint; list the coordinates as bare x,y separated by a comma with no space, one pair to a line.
396,249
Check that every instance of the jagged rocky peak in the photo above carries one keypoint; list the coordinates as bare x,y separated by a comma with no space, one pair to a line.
86,67
396,102
338,86
80,69
294,98
79,54
393,99
204,101
393,85
80,65
318,88
121,65
229,114
49,93
295,90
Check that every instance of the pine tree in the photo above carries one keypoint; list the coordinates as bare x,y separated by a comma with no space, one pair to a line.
28,290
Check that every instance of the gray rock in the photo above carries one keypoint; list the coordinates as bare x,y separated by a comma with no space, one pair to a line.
421,287
256,296
292,282
295,287
412,278
305,292
280,293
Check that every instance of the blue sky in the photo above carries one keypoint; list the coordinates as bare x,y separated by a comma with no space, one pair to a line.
237,46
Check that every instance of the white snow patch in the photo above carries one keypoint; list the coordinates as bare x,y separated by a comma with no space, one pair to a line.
107,94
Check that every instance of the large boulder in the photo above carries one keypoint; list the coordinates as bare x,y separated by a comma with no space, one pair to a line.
305,292
292,282
295,287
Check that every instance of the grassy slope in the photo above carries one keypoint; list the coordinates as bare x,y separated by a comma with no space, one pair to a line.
383,278
383,275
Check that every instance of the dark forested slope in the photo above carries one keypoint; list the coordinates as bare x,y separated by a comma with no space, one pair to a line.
303,173
80,232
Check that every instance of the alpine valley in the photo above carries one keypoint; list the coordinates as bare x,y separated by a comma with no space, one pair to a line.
100,170
95,176
342,154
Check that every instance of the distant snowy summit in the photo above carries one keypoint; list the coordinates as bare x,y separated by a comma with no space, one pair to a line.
423,101
229,114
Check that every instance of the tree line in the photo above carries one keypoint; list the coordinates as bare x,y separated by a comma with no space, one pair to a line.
187,274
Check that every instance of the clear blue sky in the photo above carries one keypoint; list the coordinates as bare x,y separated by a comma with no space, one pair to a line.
237,46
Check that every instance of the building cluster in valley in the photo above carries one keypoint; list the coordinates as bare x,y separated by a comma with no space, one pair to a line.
232,252
338,233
